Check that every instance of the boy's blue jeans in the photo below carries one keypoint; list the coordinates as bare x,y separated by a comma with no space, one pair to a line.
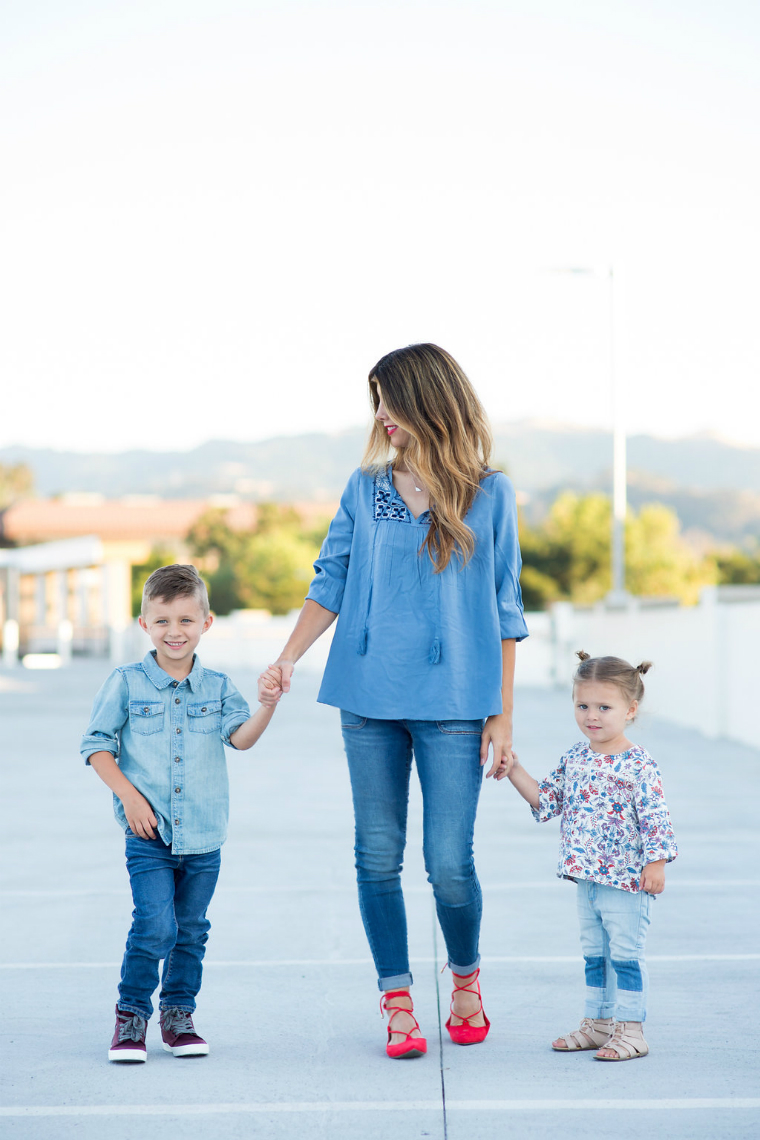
171,894
447,754
614,926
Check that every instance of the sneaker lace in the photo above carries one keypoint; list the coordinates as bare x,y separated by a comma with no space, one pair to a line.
132,1028
177,1021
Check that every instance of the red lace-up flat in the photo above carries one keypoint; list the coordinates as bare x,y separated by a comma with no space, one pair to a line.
466,1034
410,1046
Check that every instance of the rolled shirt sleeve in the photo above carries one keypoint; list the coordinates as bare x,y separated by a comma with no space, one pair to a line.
331,568
551,795
657,836
235,711
507,561
110,712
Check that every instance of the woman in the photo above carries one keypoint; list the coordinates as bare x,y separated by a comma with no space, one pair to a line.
421,563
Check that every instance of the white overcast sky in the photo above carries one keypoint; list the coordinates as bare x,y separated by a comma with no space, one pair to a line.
218,214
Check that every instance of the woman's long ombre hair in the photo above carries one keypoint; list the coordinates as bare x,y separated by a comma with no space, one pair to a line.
429,396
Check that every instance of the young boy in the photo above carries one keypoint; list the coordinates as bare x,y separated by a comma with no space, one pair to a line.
165,719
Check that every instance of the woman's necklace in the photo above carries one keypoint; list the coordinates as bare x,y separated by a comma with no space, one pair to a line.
414,481
410,473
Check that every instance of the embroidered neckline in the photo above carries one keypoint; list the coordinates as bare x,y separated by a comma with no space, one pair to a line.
388,505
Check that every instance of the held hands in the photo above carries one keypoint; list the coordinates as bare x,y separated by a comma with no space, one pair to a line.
653,878
497,734
275,681
139,815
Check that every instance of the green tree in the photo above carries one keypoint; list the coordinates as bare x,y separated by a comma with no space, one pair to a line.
578,529
275,571
568,555
268,568
16,482
738,567
658,561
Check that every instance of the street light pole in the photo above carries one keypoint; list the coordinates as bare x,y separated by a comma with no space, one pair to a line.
619,465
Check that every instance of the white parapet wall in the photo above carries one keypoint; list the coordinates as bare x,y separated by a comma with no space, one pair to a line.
705,658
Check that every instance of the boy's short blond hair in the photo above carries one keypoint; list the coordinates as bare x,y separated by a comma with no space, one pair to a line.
177,581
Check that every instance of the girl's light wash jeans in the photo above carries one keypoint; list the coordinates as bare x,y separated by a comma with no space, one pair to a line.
447,754
614,926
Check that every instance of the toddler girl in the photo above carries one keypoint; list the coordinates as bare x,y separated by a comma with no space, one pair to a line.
615,840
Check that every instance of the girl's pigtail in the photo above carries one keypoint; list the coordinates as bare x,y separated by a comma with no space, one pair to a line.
582,655
644,667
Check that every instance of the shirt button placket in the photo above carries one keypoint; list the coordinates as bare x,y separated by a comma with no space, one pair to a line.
176,804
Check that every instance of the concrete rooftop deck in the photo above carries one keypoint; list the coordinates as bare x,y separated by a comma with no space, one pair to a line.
289,1002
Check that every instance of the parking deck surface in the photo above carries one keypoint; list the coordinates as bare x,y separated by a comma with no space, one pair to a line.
289,1002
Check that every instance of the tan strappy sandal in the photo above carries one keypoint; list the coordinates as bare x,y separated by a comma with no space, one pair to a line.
593,1033
627,1041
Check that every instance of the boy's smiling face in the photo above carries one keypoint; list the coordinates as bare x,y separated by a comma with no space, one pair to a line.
175,628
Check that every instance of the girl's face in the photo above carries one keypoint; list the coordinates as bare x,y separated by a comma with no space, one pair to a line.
397,435
602,713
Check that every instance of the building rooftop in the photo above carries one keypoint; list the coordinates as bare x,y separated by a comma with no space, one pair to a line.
133,517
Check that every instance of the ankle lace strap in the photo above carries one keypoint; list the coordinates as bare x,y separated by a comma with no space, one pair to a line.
394,1009
472,982
466,1018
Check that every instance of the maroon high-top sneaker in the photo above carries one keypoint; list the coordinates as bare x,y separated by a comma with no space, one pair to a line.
179,1036
128,1042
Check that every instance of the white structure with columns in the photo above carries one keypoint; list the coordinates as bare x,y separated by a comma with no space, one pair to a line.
63,597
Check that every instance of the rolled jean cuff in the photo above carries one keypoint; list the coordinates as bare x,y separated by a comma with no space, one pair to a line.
399,982
596,1007
464,971
630,1012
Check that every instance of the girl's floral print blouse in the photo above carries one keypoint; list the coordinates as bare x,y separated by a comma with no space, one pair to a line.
614,816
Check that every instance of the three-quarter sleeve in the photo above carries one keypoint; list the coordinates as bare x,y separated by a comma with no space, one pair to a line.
235,711
507,560
331,568
110,711
551,794
657,838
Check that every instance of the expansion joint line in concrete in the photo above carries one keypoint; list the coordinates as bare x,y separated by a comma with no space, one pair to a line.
342,963
271,1108
438,1009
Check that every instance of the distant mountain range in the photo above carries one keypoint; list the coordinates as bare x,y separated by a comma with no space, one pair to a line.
713,485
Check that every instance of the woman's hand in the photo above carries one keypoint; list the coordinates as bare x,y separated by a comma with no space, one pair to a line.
270,686
275,681
497,734
286,667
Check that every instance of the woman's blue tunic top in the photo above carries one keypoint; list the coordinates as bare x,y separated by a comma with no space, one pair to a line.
411,644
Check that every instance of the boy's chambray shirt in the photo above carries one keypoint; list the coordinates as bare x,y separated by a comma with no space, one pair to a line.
167,737
614,816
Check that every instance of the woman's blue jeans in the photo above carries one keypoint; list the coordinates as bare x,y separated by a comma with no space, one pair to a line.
171,894
447,754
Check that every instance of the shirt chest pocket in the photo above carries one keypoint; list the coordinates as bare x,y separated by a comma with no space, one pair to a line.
146,717
205,716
